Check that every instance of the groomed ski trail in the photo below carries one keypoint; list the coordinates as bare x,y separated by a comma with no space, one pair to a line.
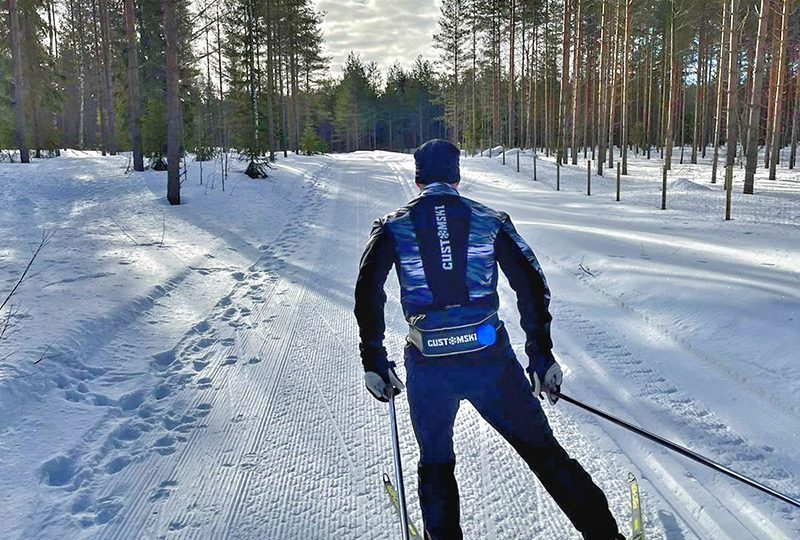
255,424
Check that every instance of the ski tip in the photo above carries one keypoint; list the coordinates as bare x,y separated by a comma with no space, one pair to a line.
631,478
386,479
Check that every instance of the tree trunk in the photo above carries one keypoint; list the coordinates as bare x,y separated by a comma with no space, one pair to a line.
547,90
625,95
296,96
575,80
601,88
699,88
81,78
754,113
270,84
795,121
511,77
682,115
563,122
648,127
613,97
101,101
111,139
18,104
733,85
781,77
533,93
135,106
588,100
722,68
672,99
473,127
170,15
773,75
496,135
663,109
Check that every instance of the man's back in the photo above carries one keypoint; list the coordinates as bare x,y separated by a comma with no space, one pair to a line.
446,249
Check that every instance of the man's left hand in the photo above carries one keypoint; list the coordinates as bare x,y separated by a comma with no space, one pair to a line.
549,383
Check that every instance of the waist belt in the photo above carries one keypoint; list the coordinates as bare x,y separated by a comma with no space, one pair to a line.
455,339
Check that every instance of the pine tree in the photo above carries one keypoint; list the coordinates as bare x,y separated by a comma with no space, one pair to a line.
450,41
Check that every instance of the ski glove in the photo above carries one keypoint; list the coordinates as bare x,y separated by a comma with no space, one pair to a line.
383,385
546,376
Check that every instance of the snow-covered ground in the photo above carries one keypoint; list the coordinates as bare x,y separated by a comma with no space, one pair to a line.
203,380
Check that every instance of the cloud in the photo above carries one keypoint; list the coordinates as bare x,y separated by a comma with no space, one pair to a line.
383,31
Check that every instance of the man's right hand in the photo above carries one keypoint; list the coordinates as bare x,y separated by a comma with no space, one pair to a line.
383,386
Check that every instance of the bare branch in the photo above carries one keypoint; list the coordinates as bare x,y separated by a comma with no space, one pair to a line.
123,231
44,353
163,227
46,237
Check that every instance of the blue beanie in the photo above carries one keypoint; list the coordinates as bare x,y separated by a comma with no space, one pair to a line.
437,161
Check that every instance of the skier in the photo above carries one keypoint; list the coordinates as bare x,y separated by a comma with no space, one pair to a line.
446,250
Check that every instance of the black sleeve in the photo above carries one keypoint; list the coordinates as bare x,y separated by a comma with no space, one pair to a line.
526,277
376,262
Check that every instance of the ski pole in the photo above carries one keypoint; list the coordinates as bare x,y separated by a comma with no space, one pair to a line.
682,450
398,468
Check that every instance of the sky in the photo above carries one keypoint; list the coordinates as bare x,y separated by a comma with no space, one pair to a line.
379,30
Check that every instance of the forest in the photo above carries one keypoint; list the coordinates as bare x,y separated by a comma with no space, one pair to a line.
177,80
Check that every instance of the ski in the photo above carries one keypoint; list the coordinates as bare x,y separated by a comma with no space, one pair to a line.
392,492
637,526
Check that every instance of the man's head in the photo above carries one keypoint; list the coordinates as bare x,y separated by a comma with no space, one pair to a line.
437,161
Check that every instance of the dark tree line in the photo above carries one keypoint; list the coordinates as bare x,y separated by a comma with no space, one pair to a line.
597,77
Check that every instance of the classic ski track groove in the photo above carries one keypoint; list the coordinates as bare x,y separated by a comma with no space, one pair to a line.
602,349
177,376
271,264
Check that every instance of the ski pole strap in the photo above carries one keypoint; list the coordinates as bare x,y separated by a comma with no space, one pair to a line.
683,451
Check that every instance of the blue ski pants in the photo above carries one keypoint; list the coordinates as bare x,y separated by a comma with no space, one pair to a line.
496,385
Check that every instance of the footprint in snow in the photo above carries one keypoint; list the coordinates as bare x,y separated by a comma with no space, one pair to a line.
73,396
164,360
58,471
131,401
116,464
179,423
101,512
176,525
199,365
165,445
201,327
161,391
203,409
164,490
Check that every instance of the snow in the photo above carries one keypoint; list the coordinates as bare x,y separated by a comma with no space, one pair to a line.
203,379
